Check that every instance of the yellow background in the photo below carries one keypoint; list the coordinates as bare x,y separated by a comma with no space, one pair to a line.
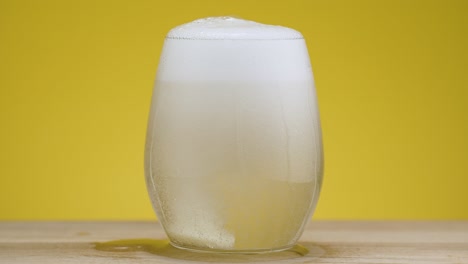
76,79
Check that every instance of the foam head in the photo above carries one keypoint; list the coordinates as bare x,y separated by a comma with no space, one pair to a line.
232,49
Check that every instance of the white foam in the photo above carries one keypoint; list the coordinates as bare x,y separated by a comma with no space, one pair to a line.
231,49
231,28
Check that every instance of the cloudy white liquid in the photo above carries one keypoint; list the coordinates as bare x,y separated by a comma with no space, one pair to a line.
234,154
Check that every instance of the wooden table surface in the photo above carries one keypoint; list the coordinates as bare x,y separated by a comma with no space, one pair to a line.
325,241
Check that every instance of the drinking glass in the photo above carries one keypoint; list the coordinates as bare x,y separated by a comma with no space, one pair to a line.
233,157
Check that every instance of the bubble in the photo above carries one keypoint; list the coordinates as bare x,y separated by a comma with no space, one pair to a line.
230,28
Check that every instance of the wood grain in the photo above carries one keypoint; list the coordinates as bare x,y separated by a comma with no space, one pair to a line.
327,242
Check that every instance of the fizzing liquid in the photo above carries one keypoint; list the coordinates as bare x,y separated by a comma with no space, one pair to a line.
235,212
234,152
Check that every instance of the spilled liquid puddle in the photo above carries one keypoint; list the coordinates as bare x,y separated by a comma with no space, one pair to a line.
304,252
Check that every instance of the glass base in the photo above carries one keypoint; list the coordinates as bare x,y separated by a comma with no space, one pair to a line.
232,251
